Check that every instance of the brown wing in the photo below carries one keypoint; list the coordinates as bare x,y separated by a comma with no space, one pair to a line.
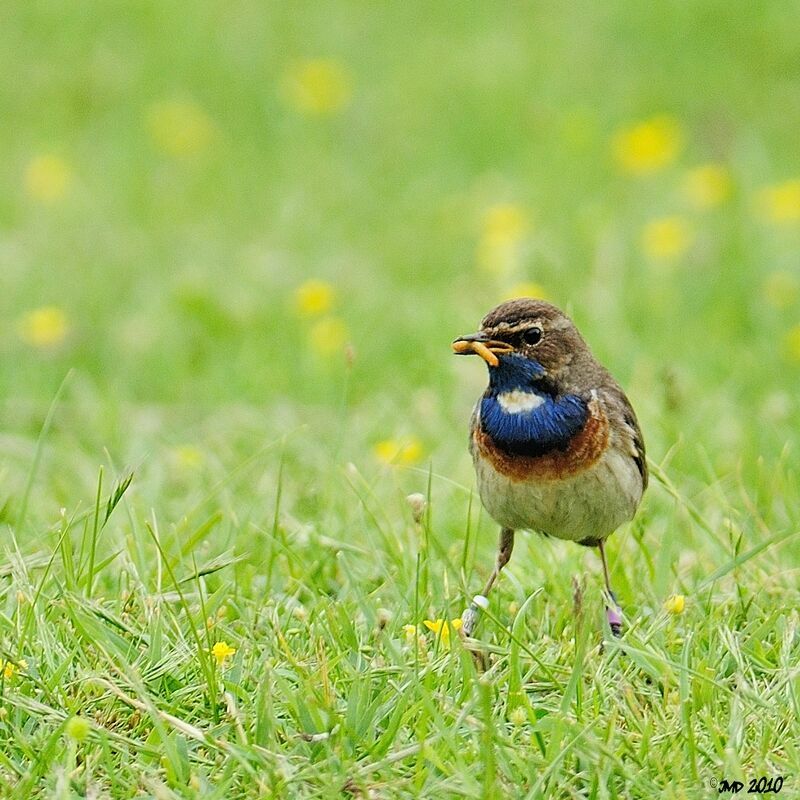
639,455
622,409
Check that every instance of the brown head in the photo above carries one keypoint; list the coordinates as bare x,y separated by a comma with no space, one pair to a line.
534,329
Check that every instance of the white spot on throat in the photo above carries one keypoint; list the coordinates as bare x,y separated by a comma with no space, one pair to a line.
518,401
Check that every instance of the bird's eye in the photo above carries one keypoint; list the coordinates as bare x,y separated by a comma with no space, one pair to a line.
532,336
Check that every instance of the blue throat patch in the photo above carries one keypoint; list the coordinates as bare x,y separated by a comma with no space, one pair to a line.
550,425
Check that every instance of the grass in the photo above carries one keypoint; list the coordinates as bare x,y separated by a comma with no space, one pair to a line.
193,454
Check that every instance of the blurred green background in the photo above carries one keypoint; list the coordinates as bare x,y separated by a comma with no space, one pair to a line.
293,208
236,241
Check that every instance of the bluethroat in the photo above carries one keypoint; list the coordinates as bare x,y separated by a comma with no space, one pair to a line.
555,442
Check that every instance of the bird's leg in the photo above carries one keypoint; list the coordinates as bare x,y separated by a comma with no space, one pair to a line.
613,612
481,601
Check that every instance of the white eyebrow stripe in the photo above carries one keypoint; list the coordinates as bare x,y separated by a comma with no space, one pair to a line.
517,401
506,327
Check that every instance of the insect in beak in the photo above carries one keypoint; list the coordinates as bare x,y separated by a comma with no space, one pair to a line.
480,344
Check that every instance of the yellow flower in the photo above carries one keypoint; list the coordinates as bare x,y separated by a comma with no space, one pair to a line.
411,632
221,651
505,222
398,451
782,289
413,636
47,178
328,336
527,289
179,128
707,186
780,203
188,456
666,238
792,343
9,668
504,229
648,146
43,327
675,604
318,86
442,629
313,298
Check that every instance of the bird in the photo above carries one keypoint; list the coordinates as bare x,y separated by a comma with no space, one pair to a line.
555,442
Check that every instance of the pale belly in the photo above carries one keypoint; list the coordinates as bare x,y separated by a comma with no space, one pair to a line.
588,505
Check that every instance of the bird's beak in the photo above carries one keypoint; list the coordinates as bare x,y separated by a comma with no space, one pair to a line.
480,344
